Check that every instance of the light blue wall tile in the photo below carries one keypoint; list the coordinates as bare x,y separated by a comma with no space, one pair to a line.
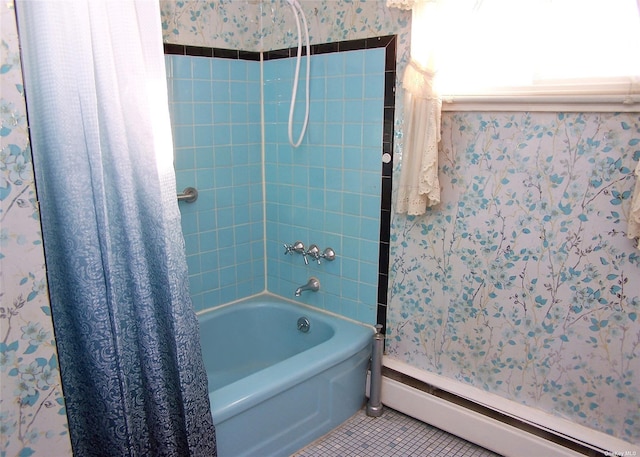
370,206
253,92
351,204
185,160
221,91
240,157
225,237
351,159
374,86
353,88
239,133
193,264
201,68
182,113
222,155
204,179
221,113
222,134
203,135
318,193
224,199
182,67
333,134
353,62
241,215
192,242
195,282
352,181
206,221
349,289
226,256
210,280
210,298
183,136
202,113
209,261
202,91
238,71
253,72
335,110
205,198
374,61
182,90
374,110
334,65
351,225
317,89
204,157
243,272
238,91
189,224
240,187
334,88
370,229
369,250
318,66
220,69
208,241
316,198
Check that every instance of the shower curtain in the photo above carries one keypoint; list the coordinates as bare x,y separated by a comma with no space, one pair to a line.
127,336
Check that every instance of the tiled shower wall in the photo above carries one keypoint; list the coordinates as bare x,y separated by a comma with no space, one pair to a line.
215,111
326,192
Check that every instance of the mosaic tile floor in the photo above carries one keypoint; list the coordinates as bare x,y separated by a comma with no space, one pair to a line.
391,435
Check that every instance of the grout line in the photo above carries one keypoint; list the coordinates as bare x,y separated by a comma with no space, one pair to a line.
264,173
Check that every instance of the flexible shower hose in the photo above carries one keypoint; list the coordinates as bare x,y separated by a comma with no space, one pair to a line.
297,12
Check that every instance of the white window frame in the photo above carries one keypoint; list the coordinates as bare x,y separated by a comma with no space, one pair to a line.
616,93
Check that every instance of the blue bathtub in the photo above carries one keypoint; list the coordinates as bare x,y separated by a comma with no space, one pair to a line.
274,389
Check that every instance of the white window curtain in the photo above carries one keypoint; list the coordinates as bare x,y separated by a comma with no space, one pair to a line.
633,231
419,187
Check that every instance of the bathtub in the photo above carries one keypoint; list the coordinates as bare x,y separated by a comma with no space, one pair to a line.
274,388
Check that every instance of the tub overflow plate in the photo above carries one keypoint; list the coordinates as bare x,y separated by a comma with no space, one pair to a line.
304,324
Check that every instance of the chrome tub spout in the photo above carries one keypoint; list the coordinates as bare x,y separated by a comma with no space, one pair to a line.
313,285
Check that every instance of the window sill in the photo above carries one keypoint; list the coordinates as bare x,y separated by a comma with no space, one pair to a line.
552,103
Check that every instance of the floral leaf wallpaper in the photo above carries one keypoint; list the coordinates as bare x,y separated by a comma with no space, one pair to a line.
264,25
225,24
522,282
32,414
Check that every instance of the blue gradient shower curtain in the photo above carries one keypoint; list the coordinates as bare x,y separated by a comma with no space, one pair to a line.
126,333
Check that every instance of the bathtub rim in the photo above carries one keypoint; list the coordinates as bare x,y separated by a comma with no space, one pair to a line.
267,294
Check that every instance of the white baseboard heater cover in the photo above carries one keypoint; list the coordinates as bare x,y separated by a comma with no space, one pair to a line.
485,431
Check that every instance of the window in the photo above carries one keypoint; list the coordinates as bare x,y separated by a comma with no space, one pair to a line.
537,53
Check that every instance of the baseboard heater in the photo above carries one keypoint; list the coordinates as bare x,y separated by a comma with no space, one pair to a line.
491,428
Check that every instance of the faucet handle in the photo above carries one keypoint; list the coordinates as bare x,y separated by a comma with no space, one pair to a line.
314,251
298,246
328,254
295,247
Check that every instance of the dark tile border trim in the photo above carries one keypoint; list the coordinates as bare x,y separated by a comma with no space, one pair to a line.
388,42
199,51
